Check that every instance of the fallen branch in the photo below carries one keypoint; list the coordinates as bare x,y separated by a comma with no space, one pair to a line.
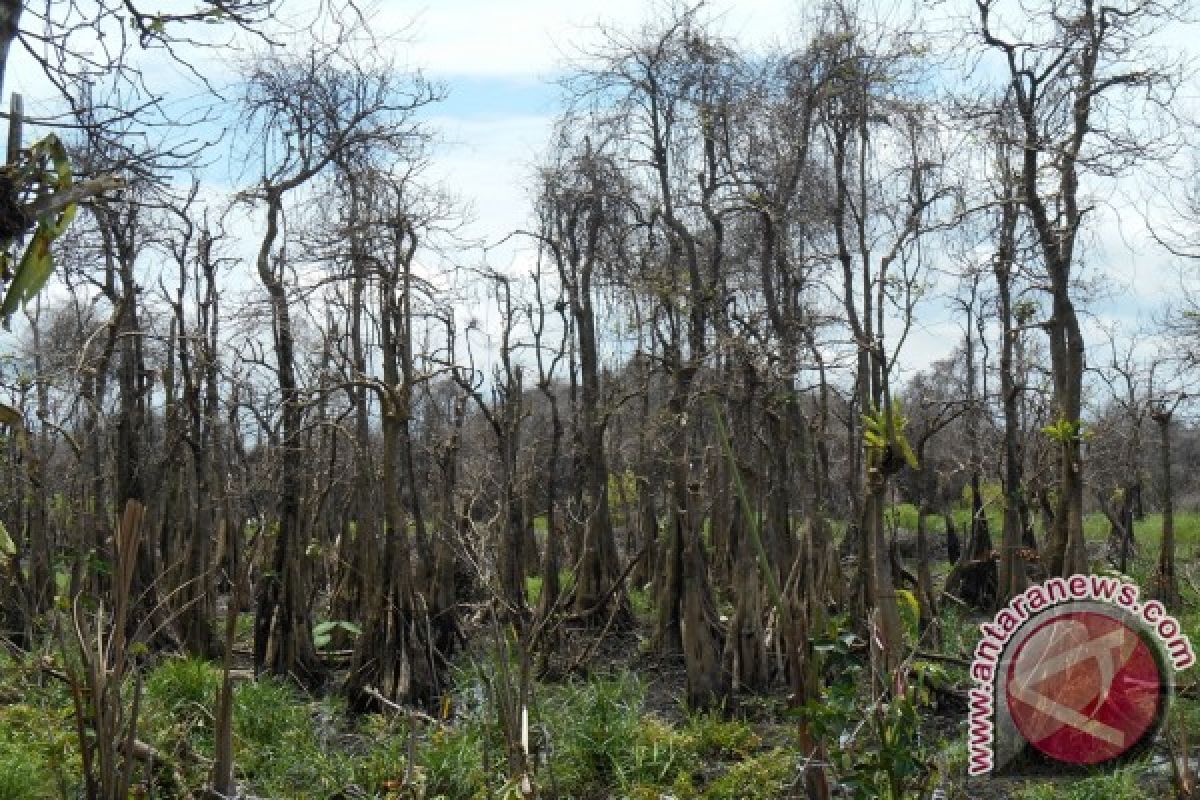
957,599
394,706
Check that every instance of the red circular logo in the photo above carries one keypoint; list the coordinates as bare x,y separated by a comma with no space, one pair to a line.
1084,688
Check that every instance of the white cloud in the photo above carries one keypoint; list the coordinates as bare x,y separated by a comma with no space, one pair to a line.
532,37
489,162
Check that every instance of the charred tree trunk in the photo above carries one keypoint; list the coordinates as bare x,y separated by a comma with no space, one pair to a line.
283,641
1011,571
394,655
974,577
1166,584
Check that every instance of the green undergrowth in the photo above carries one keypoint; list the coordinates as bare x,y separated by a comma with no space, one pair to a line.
533,585
589,738
1123,784
1147,531
38,757
592,739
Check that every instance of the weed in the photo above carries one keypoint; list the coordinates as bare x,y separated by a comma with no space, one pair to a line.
21,779
183,686
267,712
595,727
760,777
1120,785
452,761
658,755
726,738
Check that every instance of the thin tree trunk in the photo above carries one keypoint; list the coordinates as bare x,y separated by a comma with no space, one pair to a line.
283,623
1166,585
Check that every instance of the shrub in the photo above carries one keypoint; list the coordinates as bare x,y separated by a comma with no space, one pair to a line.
761,777
715,736
267,712
21,777
183,686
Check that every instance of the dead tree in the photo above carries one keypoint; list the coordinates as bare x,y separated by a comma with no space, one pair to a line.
1075,86
307,109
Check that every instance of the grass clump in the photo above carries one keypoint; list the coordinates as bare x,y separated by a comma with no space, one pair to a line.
451,762
761,777
39,755
184,687
1120,785
591,729
658,756
717,737
21,779
386,758
268,712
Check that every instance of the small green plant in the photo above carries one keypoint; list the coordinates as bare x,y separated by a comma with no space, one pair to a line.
881,754
641,602
888,447
897,767
1065,430
323,632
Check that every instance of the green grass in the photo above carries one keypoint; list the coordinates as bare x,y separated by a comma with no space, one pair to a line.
1123,784
285,743
184,687
595,740
20,779
642,602
761,777
533,585
1147,531
39,757
904,516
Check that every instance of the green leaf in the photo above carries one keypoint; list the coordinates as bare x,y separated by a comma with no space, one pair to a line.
1064,430
47,165
323,631
32,273
7,547
910,613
